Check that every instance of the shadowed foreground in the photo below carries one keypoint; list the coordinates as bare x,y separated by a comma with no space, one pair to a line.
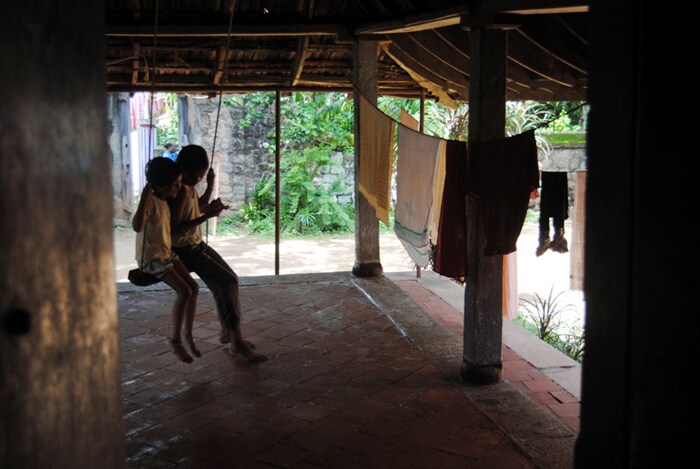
344,386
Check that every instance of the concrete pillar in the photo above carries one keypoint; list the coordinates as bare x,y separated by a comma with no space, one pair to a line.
60,394
367,263
483,296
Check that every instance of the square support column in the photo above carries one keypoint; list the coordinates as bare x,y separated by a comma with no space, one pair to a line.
367,263
483,320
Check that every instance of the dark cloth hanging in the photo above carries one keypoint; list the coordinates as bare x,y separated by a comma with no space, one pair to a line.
501,174
451,249
554,195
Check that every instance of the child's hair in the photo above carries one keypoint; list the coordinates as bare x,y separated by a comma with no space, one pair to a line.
193,158
169,145
162,171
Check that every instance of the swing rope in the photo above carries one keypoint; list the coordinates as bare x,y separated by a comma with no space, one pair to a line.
137,276
221,95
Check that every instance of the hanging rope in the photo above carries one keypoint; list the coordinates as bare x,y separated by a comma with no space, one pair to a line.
153,83
221,94
137,276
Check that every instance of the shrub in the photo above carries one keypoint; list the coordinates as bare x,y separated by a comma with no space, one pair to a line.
542,317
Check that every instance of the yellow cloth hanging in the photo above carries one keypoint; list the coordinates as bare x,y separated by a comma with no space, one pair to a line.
376,145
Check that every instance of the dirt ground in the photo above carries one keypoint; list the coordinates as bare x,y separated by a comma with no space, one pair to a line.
255,256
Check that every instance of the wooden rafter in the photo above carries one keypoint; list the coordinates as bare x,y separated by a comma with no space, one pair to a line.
238,30
302,45
421,22
533,7
418,67
429,61
220,65
135,64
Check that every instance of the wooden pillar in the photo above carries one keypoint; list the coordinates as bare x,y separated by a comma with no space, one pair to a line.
483,295
60,393
367,263
641,274
422,130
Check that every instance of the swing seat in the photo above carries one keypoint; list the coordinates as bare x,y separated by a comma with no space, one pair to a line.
142,279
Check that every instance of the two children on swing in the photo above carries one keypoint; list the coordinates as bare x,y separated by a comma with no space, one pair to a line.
165,238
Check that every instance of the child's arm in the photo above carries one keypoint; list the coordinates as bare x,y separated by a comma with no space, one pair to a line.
179,215
204,198
140,217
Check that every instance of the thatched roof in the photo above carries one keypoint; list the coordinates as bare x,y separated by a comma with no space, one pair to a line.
308,45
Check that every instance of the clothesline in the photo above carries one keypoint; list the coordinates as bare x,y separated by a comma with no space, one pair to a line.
537,127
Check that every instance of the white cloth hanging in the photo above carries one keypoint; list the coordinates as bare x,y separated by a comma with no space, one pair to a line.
415,191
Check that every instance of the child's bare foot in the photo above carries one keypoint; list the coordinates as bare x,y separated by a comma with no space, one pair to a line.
248,352
225,338
180,351
193,348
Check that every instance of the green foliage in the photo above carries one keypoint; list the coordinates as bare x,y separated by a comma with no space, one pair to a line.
542,317
522,116
313,125
256,106
320,119
565,116
307,205
564,138
532,216
227,226
167,121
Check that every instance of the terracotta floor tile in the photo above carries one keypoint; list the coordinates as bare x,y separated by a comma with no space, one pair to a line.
343,388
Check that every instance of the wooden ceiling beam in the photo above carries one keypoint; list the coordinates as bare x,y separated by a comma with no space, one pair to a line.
429,61
428,74
532,7
238,30
420,22
302,45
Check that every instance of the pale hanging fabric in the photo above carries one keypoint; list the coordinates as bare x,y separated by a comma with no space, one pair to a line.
415,189
438,189
577,242
412,123
376,145
510,285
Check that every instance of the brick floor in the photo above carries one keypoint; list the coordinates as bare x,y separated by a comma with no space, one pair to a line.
529,380
343,388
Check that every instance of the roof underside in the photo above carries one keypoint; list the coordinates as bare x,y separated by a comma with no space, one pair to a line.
307,45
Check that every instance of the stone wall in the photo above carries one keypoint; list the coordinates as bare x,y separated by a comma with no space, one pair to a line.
243,152
565,158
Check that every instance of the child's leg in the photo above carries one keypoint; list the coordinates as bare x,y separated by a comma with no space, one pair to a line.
184,293
191,307
243,347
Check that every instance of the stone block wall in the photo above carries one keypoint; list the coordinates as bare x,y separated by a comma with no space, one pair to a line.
565,158
244,152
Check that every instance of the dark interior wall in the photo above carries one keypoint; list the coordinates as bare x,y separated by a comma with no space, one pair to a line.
641,241
60,402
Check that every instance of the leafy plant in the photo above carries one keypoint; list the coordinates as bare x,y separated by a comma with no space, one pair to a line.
542,317
167,121
308,205
545,313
